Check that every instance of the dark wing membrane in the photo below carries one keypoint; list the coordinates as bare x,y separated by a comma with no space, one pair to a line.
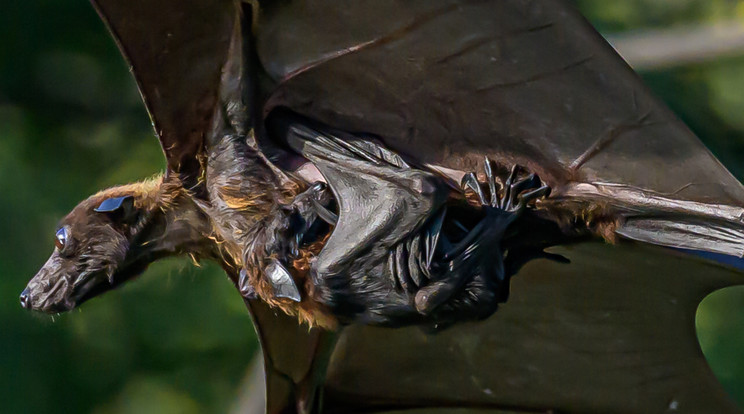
613,332
528,82
176,50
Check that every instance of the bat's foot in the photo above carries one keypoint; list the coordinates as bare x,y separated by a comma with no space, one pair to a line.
473,269
513,195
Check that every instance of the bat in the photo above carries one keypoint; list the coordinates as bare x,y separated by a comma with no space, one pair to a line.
408,100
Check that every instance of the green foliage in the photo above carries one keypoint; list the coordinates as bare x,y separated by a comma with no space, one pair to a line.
616,16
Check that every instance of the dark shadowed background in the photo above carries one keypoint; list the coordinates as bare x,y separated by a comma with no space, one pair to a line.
179,339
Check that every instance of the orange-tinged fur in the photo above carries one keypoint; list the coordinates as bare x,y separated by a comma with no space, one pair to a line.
165,193
308,311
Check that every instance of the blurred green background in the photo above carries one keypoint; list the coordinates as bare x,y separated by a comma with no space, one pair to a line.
179,339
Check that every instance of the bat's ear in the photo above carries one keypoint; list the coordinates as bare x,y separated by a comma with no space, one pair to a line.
120,206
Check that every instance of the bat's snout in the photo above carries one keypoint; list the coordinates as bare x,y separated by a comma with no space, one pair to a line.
49,291
46,297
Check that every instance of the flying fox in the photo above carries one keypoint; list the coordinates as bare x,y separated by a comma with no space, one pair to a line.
492,167
438,250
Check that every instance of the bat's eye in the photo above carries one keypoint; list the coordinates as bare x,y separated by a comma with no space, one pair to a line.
60,238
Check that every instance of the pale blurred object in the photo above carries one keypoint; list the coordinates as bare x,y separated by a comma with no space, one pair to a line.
665,48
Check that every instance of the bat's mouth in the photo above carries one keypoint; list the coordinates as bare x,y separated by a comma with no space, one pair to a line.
52,293
60,295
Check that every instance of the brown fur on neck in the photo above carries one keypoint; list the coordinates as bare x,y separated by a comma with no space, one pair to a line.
160,192
167,216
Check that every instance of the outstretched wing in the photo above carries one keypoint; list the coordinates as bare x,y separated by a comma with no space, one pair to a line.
446,82
176,50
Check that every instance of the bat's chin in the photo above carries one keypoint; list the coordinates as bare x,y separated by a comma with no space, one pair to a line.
53,308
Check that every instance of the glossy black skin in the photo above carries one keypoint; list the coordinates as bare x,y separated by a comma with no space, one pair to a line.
406,248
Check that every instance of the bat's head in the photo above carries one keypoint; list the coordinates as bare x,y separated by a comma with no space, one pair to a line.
105,241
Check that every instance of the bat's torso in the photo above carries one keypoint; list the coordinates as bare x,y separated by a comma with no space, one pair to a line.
400,251
251,208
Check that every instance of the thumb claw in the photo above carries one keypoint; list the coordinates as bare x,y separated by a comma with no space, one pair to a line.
281,281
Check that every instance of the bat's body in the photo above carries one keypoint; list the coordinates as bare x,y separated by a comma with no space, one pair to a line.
420,264
406,246
389,100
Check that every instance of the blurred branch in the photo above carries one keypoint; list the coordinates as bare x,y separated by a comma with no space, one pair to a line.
252,395
658,49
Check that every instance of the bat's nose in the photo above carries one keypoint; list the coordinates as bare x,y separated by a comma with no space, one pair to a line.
25,299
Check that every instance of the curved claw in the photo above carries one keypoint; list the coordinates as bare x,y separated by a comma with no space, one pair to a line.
525,183
325,214
281,281
308,206
531,181
318,186
319,195
507,187
527,197
491,182
470,181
